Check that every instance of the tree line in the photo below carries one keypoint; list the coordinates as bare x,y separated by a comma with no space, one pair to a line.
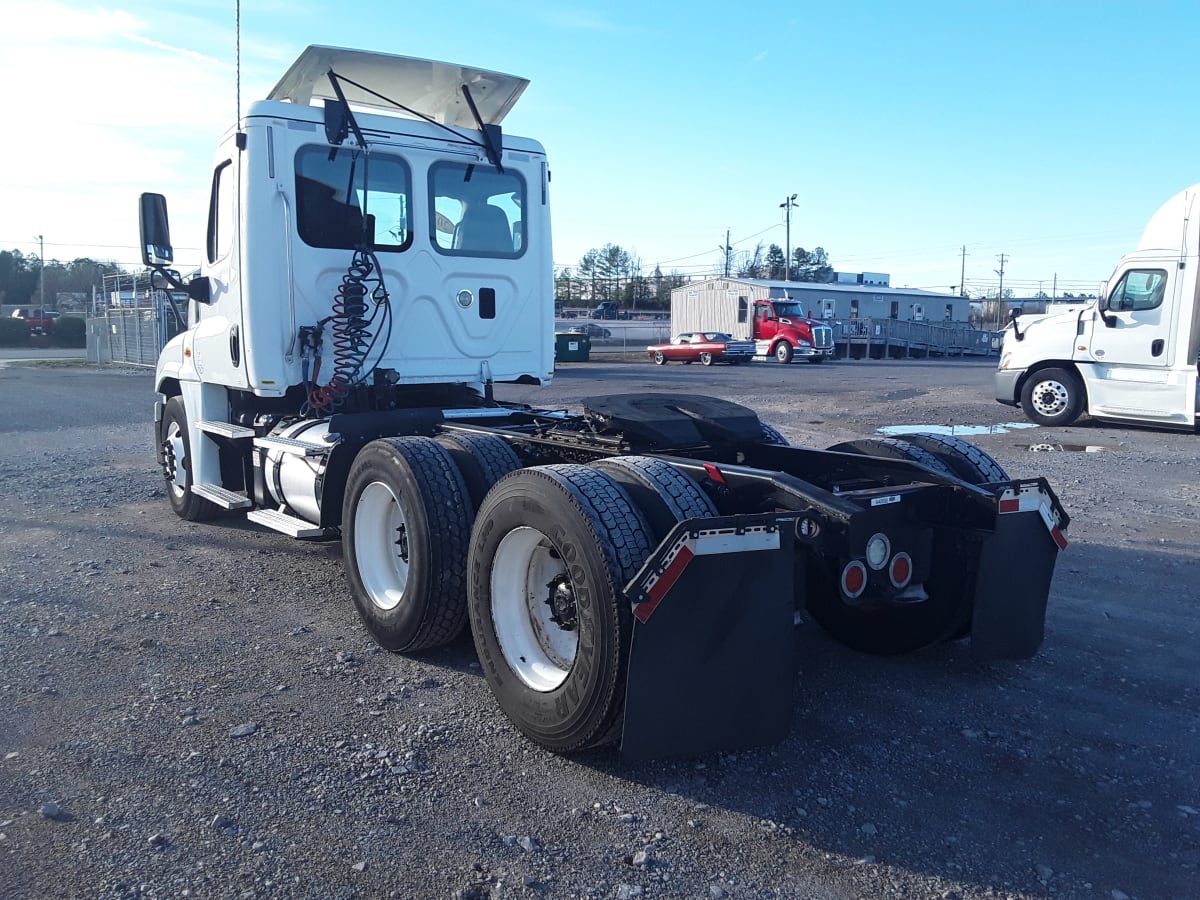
21,278
613,273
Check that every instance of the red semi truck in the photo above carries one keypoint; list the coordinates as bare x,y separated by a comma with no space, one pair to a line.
779,326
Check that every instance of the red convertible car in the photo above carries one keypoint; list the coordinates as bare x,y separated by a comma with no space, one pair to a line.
705,347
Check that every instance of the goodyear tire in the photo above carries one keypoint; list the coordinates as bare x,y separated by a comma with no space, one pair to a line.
894,448
405,531
552,548
1052,397
664,494
483,459
964,459
175,456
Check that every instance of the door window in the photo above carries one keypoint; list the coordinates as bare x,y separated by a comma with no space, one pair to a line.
220,212
1138,289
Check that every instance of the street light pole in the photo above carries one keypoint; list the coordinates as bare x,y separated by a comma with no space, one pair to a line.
42,273
787,205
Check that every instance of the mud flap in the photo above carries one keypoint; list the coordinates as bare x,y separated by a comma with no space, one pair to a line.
711,659
1016,564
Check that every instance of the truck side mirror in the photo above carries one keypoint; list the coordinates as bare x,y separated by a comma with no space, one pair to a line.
155,231
1103,305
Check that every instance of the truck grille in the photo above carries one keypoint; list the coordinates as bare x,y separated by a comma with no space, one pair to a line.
822,337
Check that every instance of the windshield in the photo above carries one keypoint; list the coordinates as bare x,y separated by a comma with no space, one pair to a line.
789,309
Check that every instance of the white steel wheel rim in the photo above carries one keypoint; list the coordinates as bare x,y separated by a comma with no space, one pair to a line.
173,445
537,649
381,545
1050,398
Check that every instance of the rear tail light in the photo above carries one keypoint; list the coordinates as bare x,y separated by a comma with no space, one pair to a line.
854,579
900,571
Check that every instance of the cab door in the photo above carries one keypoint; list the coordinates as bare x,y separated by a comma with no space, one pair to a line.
1132,343
218,335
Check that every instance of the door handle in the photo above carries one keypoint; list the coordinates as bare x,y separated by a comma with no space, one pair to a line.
1156,347
235,347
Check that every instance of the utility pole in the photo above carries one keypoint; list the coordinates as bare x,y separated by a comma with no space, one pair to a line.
1000,292
962,276
1054,290
727,251
42,273
788,204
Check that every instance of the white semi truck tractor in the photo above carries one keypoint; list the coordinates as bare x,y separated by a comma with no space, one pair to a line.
1131,355
377,259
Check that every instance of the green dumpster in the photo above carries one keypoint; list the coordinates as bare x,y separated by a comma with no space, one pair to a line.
572,347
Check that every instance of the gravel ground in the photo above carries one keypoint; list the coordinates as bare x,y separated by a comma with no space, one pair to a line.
194,710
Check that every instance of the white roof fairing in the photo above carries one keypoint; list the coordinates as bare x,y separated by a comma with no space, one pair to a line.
432,88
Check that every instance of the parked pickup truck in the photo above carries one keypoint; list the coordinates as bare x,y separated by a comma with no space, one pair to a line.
40,321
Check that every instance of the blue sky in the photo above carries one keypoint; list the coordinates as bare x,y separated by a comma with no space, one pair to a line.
1048,132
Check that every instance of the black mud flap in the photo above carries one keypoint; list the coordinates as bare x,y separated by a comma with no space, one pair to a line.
1016,564
711,661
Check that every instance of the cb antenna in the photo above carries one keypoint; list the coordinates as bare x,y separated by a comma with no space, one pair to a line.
237,56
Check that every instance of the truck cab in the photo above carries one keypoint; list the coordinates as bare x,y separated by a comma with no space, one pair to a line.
781,328
1129,356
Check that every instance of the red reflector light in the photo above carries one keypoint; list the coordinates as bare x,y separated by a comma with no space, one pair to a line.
854,579
714,473
900,570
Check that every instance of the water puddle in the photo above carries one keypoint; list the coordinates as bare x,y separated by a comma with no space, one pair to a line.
953,430
1069,448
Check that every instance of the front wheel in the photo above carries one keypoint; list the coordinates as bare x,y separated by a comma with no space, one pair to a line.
659,358
783,352
175,456
1052,397
552,549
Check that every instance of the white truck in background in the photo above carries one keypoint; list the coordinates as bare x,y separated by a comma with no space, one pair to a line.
630,572
1131,356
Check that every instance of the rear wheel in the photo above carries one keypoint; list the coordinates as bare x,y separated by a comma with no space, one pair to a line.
664,494
552,549
405,530
894,448
1052,397
175,455
783,352
706,359
966,460
483,459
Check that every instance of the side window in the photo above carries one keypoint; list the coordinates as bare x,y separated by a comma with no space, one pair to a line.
741,309
476,211
1139,289
220,212
334,195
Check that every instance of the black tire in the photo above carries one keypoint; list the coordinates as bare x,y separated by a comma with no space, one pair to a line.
783,352
1052,397
706,358
966,460
664,494
175,457
570,532
894,448
772,436
405,532
483,459
660,358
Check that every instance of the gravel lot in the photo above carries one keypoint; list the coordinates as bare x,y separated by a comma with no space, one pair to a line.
194,710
